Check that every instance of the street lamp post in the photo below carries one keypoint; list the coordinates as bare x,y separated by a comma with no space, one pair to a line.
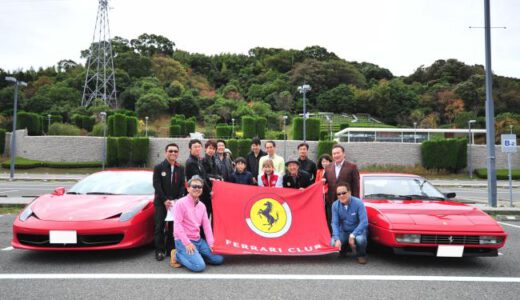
48,123
415,132
104,118
12,149
329,120
470,139
284,137
232,127
146,126
303,90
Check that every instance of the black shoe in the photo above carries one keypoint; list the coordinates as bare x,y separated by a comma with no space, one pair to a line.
159,255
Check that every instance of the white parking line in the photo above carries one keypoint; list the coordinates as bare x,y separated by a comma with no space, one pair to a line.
8,248
263,277
507,224
8,191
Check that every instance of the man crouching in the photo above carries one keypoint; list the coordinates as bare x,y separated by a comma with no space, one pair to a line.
189,215
349,223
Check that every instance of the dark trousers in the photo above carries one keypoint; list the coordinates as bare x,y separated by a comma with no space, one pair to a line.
162,229
328,213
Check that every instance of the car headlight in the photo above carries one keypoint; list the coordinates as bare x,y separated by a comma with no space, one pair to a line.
26,213
408,238
490,240
132,212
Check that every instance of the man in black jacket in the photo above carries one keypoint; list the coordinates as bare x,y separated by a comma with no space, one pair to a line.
196,165
253,158
168,182
306,164
295,178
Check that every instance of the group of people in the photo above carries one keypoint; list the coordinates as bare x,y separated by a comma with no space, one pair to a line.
185,192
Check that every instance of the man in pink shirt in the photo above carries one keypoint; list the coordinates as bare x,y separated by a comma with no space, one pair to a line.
189,215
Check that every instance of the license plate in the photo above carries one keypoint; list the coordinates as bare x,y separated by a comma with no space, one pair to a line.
63,237
450,251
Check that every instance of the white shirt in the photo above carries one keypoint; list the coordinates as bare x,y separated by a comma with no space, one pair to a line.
337,167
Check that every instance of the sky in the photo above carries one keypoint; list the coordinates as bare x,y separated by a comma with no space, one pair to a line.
400,35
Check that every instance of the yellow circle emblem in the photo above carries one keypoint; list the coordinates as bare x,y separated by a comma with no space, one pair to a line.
269,218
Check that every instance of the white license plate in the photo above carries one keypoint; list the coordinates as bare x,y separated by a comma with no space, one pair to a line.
450,251
63,237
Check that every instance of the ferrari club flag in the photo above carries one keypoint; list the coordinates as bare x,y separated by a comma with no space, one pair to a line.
269,221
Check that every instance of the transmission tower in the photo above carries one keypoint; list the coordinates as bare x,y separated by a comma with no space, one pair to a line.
100,80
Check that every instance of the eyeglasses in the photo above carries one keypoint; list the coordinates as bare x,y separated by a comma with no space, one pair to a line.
341,193
173,151
196,187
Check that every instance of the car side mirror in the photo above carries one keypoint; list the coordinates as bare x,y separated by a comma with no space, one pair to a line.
450,195
59,191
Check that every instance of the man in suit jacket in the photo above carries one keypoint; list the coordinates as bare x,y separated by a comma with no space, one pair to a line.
168,182
339,171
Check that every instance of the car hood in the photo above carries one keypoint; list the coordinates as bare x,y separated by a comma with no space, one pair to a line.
84,207
433,215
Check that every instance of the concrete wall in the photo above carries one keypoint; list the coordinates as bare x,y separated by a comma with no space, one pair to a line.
84,149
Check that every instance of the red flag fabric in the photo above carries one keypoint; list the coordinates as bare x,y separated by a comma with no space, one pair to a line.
269,221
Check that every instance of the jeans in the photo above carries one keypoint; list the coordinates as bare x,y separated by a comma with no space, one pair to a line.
196,261
361,242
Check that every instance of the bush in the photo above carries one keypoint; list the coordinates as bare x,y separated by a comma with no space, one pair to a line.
82,121
244,147
2,141
140,149
190,126
502,174
124,150
120,125
98,129
110,122
232,144
175,130
324,135
274,135
112,151
248,127
54,119
449,154
224,131
312,128
64,129
325,147
261,125
131,126
343,126
31,121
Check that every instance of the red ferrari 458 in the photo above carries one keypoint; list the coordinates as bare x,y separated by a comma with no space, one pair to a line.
106,210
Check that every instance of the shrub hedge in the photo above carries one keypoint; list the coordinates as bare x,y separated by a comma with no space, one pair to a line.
448,154
224,131
502,174
131,126
140,148
124,150
2,141
190,126
261,125
54,119
112,151
243,148
31,121
120,125
325,147
312,128
64,129
232,144
175,130
248,127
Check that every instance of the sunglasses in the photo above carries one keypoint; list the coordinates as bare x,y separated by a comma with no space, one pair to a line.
173,151
341,193
196,187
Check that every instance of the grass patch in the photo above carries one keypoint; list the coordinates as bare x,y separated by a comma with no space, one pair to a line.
10,209
502,174
24,163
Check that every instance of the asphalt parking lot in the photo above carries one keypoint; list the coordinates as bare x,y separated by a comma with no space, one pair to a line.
134,274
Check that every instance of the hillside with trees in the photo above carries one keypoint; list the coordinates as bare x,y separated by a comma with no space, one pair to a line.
157,80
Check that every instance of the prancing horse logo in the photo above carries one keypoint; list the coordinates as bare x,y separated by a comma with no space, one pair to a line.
267,214
450,239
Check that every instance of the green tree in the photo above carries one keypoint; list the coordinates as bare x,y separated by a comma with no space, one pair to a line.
152,44
151,105
338,100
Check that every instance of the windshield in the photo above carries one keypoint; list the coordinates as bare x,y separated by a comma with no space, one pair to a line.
115,183
399,187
